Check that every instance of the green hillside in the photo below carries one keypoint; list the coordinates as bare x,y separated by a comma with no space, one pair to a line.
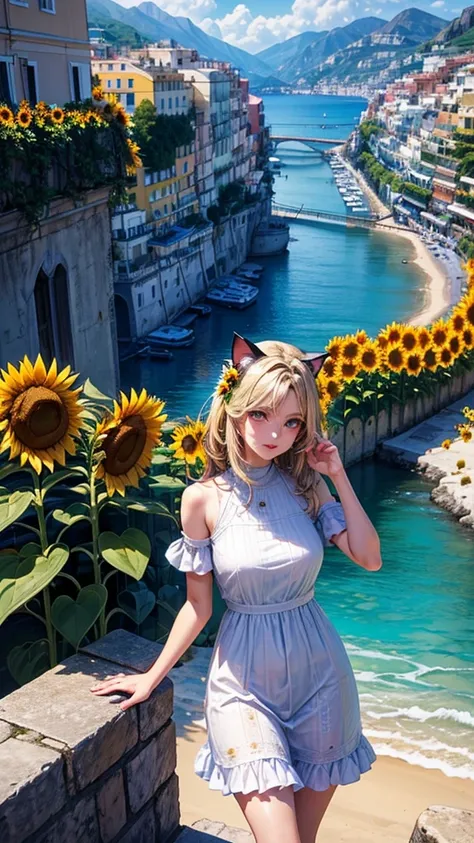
115,32
464,41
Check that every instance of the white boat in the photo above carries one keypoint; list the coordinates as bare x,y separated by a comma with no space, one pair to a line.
248,266
247,275
230,282
271,237
232,297
171,335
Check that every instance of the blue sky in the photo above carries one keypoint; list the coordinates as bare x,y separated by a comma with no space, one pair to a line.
256,24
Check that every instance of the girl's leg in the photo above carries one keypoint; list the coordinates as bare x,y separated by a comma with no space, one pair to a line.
271,815
310,807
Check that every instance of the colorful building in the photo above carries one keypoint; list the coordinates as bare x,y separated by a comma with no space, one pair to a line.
134,81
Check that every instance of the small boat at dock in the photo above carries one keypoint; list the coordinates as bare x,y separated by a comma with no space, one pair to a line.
185,320
170,335
232,297
161,354
248,266
201,309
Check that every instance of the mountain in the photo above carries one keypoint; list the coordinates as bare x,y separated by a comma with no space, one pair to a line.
302,58
457,28
153,24
284,51
415,25
116,33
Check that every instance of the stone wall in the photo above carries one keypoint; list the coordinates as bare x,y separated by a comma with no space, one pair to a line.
75,768
358,439
78,238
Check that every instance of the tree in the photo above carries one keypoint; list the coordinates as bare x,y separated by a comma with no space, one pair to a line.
159,135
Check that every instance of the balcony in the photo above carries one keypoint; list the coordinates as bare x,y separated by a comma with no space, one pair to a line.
189,199
133,232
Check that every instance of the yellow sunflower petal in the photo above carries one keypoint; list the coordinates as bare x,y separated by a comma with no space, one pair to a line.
39,371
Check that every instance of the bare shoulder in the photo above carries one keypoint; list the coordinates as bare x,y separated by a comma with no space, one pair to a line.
197,504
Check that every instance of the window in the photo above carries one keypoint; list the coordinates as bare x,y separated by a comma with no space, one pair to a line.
130,83
140,300
80,80
110,67
7,90
19,3
130,100
53,317
185,168
170,102
31,84
119,83
162,104
165,209
109,83
123,67
176,102
184,99
47,6
153,291
76,83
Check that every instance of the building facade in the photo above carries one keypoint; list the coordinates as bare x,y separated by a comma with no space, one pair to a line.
134,81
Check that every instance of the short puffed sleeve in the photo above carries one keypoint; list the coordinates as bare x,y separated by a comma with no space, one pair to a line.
330,521
192,556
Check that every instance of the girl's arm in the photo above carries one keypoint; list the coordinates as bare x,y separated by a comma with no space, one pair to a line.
189,621
360,541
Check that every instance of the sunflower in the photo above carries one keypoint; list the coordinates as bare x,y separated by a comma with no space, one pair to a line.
465,432
395,357
446,443
57,115
39,413
128,438
347,370
188,441
24,116
329,368
468,338
424,338
134,150
333,347
97,93
439,333
409,338
430,359
371,357
361,337
414,363
6,116
467,310
391,334
456,323
350,349
121,116
445,357
455,344
229,379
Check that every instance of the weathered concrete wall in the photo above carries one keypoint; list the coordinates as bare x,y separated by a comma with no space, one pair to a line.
440,824
358,440
79,238
73,767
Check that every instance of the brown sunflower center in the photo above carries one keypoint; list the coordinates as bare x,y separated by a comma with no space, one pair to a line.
189,444
124,445
39,418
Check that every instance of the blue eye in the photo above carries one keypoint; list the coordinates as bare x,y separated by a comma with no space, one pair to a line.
292,423
257,415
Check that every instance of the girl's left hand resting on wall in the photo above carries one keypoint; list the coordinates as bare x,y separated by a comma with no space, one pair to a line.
139,685
324,458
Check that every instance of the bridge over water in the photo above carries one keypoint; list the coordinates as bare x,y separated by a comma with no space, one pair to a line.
311,142
292,213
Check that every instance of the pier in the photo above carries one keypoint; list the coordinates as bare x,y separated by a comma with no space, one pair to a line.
293,213
311,142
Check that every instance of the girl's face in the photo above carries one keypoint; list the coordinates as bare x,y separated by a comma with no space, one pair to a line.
269,434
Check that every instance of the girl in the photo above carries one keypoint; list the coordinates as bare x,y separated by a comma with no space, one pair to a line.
282,708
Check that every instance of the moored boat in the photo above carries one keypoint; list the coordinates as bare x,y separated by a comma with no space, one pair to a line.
232,297
170,335
271,238
201,309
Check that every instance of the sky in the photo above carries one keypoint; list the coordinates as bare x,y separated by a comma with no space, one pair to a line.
257,24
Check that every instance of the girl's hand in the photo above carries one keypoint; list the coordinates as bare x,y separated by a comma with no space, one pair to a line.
324,458
139,685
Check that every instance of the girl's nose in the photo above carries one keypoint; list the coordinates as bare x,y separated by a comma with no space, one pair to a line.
274,435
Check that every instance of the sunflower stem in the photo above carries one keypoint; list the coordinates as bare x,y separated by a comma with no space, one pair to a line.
43,536
95,539
71,578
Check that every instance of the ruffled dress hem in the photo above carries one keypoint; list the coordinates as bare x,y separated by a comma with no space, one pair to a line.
266,773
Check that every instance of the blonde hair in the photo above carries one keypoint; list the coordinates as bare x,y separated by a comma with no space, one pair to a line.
264,384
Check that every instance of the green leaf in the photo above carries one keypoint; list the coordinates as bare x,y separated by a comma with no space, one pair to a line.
74,513
348,411
165,483
60,476
90,391
22,578
30,549
148,506
353,398
12,508
129,552
160,459
367,393
137,601
74,618
28,661
81,489
12,468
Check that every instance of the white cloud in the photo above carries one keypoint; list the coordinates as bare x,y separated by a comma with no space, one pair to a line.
196,10
437,4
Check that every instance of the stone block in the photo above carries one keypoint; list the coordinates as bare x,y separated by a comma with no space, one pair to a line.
79,825
143,829
59,705
157,710
151,768
382,425
59,746
5,731
224,832
32,788
167,809
369,438
28,735
439,824
125,649
111,807
353,442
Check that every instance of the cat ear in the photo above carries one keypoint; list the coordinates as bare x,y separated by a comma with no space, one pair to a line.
315,361
242,348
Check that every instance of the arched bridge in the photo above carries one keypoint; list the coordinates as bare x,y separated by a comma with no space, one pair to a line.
311,142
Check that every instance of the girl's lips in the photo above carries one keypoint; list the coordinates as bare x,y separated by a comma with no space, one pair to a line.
271,446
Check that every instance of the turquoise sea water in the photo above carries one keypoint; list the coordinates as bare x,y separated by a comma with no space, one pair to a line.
409,628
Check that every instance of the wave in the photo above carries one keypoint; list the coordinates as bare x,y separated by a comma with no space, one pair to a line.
414,712
425,744
417,759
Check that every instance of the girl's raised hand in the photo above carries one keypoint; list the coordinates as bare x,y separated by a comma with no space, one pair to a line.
324,458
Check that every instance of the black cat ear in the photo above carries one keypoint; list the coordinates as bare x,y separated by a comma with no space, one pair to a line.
315,361
242,348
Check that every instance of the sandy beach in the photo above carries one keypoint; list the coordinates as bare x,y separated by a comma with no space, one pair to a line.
384,805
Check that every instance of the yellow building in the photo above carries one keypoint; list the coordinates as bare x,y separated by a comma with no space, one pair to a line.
44,51
168,196
133,82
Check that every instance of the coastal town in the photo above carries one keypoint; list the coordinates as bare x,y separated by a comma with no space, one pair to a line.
163,192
